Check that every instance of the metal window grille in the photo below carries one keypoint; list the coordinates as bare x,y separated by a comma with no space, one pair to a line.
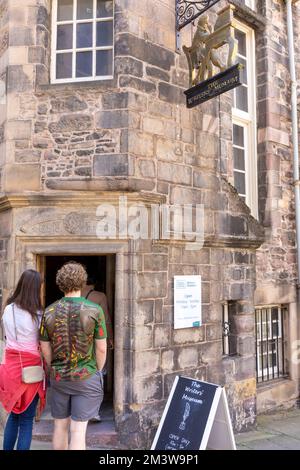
229,338
270,343
225,330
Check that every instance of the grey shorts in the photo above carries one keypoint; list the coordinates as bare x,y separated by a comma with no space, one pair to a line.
79,400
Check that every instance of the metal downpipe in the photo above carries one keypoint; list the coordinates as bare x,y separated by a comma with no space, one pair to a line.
291,51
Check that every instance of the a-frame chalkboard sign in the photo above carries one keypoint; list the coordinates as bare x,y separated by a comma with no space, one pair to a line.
196,417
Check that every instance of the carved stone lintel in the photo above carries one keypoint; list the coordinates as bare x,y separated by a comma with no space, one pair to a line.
73,223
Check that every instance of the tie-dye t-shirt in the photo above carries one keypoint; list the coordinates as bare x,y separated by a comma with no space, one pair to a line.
71,325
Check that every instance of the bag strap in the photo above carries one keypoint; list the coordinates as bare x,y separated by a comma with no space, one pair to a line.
89,293
13,310
16,334
3,337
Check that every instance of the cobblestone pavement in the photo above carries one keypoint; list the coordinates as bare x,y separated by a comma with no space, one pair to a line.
40,445
277,431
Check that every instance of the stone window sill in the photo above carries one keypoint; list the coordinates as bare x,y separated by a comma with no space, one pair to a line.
100,84
249,16
262,386
228,357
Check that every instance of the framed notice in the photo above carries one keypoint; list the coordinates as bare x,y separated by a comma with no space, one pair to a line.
187,302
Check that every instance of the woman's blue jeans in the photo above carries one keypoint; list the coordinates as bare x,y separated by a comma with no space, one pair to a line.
19,426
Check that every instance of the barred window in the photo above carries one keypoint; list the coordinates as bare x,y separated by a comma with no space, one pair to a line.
270,343
82,40
229,337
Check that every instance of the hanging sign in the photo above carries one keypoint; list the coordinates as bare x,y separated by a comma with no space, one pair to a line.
213,69
196,417
215,86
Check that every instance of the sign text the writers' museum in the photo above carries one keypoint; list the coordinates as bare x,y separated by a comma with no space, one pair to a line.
214,86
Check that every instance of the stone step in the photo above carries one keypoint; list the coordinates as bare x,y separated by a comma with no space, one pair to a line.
99,435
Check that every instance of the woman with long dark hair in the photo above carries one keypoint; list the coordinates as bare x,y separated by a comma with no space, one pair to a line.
21,321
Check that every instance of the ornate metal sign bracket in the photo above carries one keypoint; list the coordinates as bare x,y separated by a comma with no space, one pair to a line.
187,11
205,58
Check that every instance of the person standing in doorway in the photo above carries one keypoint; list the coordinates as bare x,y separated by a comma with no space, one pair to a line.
21,321
73,341
89,292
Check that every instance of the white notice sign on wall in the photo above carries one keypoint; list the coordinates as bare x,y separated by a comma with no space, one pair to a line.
187,301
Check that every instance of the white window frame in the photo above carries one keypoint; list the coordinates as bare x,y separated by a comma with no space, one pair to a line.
94,48
248,121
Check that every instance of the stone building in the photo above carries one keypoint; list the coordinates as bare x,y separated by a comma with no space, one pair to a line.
92,109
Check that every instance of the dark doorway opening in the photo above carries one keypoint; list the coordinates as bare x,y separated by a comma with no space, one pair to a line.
95,265
102,269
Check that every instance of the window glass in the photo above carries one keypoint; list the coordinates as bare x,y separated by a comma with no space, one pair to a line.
64,36
240,182
84,9
64,65
241,37
84,35
239,163
64,10
238,135
84,64
242,98
104,33
104,63
105,9
244,71
239,158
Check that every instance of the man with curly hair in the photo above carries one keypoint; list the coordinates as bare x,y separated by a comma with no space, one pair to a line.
73,342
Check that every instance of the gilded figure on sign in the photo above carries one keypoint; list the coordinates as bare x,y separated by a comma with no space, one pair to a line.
203,54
